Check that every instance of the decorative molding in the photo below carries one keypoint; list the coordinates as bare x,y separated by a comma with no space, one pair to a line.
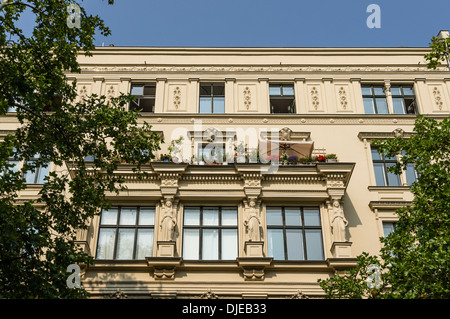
342,95
299,295
382,135
119,294
437,98
315,98
176,97
247,97
260,68
209,295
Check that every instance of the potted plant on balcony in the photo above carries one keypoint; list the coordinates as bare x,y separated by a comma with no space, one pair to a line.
331,158
293,159
284,159
320,158
165,157
273,159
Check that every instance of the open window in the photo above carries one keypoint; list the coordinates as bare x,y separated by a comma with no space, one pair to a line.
282,98
403,99
144,97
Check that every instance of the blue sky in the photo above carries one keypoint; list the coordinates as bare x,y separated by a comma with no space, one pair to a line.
276,23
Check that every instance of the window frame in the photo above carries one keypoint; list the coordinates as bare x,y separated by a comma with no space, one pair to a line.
404,96
374,97
37,171
384,161
211,96
200,227
301,227
117,226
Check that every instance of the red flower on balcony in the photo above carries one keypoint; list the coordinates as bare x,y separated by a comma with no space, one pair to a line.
321,158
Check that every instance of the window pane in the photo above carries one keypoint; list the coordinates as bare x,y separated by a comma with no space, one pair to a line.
381,106
125,243
205,90
210,216
105,246
191,244
210,244
396,91
147,216
274,216
274,90
30,176
229,216
42,173
311,217
144,243
192,216
408,90
288,90
109,217
292,216
15,166
369,106
378,90
229,244
294,244
128,216
366,90
379,174
398,106
314,249
393,179
205,105
275,245
375,155
218,90
388,228
219,105
410,174
137,90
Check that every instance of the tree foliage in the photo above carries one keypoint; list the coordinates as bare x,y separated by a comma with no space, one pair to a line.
37,237
414,260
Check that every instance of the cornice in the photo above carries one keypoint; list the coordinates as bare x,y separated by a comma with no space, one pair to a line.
122,68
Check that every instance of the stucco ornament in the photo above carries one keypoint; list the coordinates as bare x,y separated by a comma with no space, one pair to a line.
337,221
168,220
252,221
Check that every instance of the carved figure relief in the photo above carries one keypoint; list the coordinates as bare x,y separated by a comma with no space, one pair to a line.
337,221
252,220
168,220
285,134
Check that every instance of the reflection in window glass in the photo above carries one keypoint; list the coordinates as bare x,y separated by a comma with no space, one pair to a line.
126,233
294,233
210,233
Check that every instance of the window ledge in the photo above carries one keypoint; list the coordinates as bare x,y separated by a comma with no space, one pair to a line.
388,188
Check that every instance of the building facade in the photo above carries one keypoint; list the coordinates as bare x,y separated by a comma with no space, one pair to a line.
229,215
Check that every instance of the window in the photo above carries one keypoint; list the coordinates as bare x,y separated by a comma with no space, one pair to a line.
403,99
126,233
380,166
294,233
411,174
374,100
145,97
14,168
37,174
388,227
282,99
212,98
210,233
